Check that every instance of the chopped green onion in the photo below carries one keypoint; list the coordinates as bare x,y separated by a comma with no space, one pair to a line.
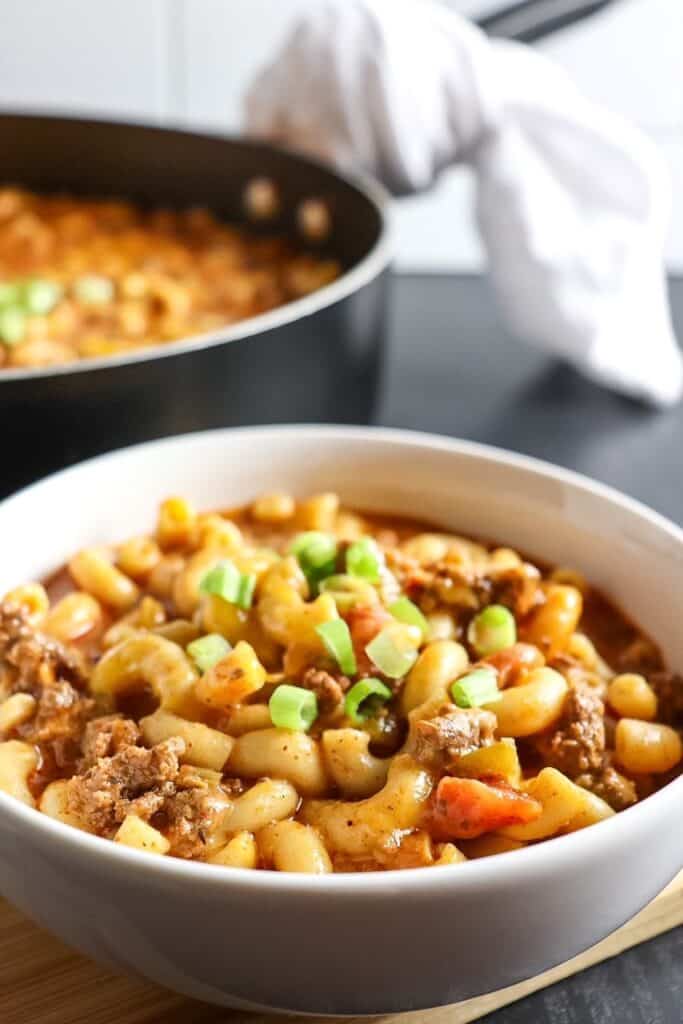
223,580
12,325
226,581
314,549
348,591
39,296
405,611
245,591
493,629
208,650
10,293
364,559
94,289
476,688
317,555
363,697
337,639
391,659
292,707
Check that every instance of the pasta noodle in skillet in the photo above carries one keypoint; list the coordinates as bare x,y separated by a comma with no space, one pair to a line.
297,687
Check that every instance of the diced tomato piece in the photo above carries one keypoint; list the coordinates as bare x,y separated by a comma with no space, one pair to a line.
364,623
512,661
467,808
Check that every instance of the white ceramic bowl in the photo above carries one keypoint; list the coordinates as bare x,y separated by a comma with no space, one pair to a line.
349,944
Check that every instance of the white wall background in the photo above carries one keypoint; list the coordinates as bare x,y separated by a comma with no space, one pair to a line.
188,61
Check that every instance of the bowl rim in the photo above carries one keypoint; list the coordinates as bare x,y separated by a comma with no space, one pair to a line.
365,270
552,855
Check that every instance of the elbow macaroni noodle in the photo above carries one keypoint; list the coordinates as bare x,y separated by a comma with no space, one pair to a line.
141,700
152,660
353,769
18,761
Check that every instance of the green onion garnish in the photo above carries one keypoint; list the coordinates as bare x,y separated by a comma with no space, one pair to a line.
476,688
208,650
226,581
348,591
94,289
10,294
361,700
405,611
317,555
12,325
292,707
493,629
337,639
363,558
39,296
391,659
245,593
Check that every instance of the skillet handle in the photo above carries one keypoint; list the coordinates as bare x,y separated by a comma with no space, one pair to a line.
529,20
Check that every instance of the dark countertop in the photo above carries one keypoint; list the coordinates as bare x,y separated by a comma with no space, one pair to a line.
452,369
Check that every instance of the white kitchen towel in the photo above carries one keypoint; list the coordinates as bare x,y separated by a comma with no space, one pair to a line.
572,202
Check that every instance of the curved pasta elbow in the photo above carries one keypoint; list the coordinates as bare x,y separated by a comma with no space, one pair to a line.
95,573
647,747
186,593
281,597
351,766
562,802
268,801
281,754
31,599
18,761
358,829
73,616
551,625
204,747
291,846
151,660
240,852
531,707
437,666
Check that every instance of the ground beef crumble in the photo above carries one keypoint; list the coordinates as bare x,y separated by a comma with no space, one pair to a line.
192,812
452,732
467,588
116,776
134,781
34,663
57,727
518,588
577,747
607,783
577,744
34,660
107,736
329,689
669,689
149,783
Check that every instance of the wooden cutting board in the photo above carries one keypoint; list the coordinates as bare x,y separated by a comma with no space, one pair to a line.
43,982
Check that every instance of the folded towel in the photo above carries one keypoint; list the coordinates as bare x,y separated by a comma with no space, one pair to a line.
572,202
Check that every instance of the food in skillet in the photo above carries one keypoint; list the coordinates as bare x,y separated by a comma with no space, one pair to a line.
84,278
298,687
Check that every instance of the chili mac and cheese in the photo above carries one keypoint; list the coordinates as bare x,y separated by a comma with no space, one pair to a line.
299,687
